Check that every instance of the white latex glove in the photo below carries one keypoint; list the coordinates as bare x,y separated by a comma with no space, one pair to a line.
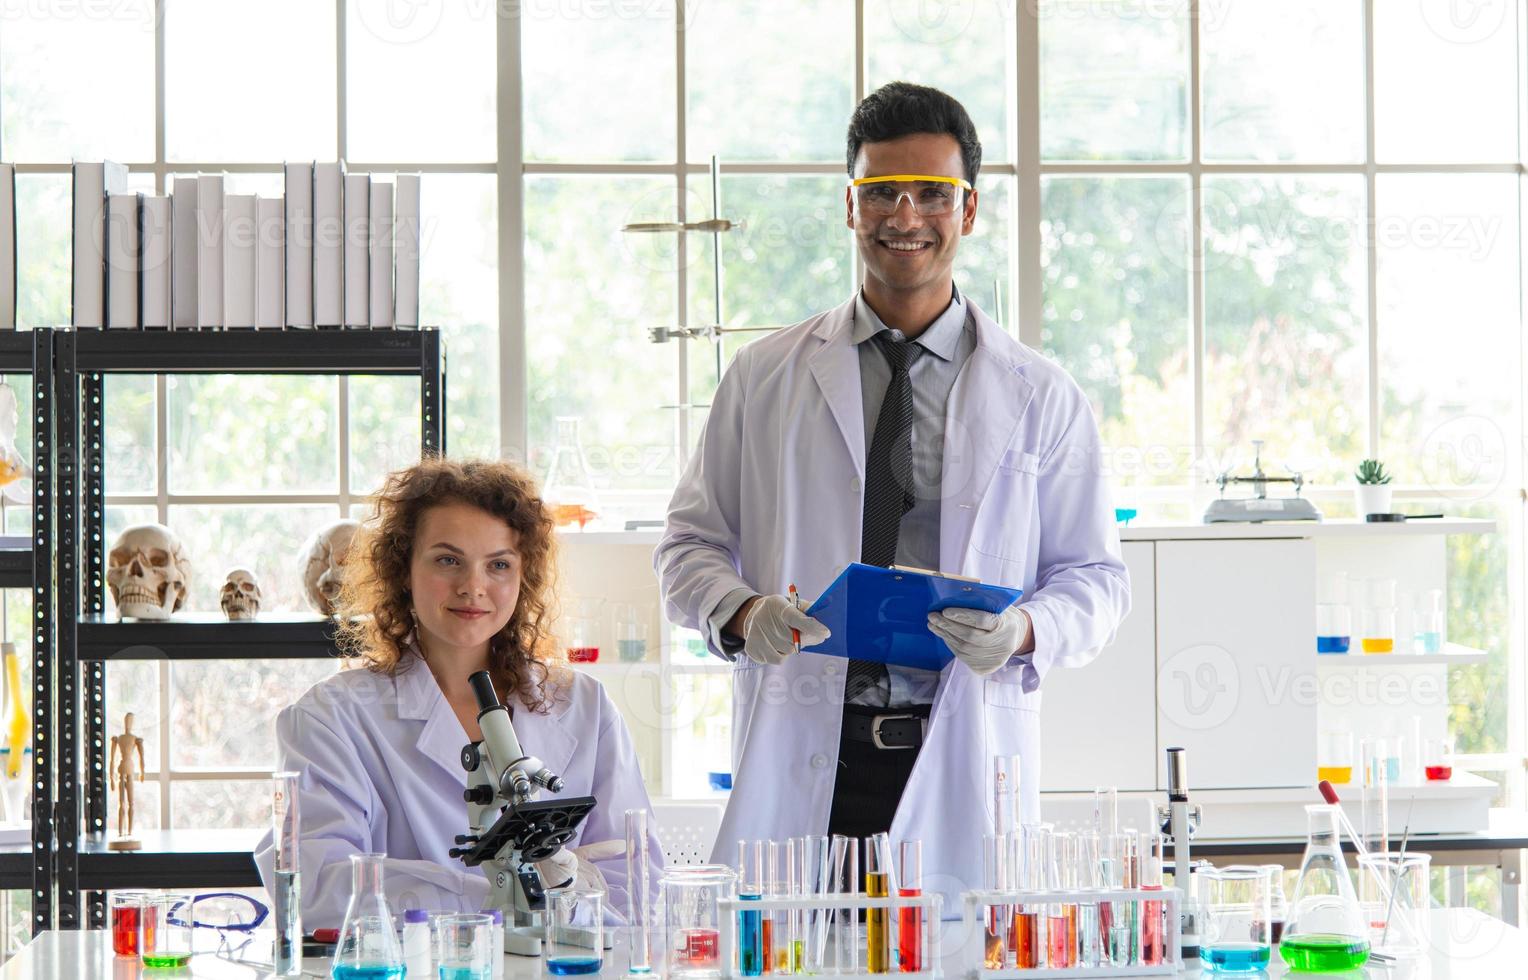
767,629
981,640
576,865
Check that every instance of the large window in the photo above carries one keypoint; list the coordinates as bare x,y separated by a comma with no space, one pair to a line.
243,469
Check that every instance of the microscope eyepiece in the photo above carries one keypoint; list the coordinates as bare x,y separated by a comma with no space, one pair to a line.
482,689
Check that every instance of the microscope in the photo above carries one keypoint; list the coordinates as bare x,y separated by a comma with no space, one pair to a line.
1179,822
509,830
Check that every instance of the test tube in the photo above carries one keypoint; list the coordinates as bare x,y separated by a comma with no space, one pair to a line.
1028,944
1003,780
1106,810
815,874
750,923
995,878
845,881
879,883
286,889
1153,849
1060,923
1118,868
910,920
786,936
1090,938
638,893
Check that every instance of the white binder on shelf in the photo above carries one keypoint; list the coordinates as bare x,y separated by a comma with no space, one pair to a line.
270,264
406,232
329,244
381,254
122,251
87,287
240,236
155,281
183,254
357,249
299,244
209,250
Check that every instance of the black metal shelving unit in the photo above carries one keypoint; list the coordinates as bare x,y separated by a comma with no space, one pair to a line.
87,641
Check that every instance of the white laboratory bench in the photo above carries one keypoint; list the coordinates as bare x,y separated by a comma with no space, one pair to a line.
1467,945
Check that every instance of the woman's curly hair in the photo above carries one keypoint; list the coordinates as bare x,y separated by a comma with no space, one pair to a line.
375,609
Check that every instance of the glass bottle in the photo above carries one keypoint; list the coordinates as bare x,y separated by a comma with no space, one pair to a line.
1379,617
1427,623
368,947
1325,931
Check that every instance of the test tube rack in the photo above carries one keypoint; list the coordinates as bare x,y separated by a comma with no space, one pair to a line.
973,962
932,905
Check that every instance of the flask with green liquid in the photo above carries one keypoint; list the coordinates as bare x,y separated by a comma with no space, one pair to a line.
1325,931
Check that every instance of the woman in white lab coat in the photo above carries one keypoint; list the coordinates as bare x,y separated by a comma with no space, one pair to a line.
452,575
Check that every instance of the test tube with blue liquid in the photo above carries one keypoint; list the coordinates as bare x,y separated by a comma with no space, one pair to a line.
750,923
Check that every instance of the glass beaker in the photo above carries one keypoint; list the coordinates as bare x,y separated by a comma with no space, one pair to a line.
127,911
164,931
1334,616
583,644
1278,903
1396,900
574,932
368,944
1237,936
1334,762
1377,630
630,633
463,946
1326,931
1427,623
568,487
691,919
1438,759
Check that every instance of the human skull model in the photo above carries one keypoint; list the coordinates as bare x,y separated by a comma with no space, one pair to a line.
323,564
240,596
147,572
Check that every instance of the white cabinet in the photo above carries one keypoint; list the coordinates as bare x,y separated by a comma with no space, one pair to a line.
1236,678
1098,723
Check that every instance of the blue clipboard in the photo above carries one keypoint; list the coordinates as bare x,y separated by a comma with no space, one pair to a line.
881,614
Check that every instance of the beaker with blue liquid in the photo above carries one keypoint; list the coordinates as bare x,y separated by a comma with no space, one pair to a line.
1237,936
1334,616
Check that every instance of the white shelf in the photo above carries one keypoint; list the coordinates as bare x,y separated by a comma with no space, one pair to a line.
1301,529
573,536
1455,656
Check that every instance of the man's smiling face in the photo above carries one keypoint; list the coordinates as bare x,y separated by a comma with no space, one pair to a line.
905,251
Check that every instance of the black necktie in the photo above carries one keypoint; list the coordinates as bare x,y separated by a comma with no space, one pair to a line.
889,491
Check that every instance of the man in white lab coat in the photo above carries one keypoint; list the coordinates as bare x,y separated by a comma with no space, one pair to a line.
903,426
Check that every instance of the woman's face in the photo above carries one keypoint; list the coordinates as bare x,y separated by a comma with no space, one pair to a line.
464,576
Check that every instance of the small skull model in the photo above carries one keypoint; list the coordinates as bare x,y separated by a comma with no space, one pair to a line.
240,596
323,564
148,572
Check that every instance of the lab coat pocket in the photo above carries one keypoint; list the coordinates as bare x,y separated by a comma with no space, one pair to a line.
1011,694
1006,517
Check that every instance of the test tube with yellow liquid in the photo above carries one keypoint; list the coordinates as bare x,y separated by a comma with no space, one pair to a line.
878,884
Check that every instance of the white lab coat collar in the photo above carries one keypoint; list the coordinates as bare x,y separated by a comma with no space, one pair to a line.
995,361
442,738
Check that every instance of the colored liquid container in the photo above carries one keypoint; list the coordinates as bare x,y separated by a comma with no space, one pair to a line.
570,966
1333,644
1378,644
1439,774
583,655
1236,957
1336,775
1324,953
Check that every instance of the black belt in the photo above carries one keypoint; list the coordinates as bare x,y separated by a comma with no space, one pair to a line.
887,728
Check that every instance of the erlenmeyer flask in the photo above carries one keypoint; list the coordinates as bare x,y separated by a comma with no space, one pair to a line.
569,484
1325,931
368,946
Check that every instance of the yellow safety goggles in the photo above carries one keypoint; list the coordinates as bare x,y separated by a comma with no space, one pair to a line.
930,196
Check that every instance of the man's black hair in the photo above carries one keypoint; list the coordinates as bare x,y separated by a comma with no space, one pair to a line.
901,109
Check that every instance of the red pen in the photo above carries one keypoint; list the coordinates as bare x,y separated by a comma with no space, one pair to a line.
795,601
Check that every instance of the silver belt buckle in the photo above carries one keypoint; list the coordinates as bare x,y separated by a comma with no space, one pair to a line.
875,729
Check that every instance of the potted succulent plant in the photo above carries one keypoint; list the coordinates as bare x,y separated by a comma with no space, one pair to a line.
1373,490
